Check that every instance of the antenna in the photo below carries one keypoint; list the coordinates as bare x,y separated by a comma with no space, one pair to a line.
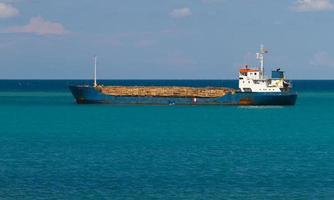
95,63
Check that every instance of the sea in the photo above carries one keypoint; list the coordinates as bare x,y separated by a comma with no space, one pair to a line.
53,148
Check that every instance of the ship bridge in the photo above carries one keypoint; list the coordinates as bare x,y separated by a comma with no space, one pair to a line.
253,79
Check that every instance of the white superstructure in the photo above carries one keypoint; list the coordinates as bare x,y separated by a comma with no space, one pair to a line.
253,80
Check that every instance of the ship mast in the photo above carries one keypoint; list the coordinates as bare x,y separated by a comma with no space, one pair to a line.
260,56
95,62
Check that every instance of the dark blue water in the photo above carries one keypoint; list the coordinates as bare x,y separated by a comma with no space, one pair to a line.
62,85
52,148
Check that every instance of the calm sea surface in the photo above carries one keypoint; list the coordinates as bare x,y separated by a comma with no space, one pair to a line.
52,148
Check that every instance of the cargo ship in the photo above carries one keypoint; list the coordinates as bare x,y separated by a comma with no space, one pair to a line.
254,89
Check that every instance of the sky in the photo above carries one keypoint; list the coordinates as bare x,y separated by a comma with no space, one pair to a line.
159,39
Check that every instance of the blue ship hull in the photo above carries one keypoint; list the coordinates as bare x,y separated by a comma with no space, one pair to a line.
89,95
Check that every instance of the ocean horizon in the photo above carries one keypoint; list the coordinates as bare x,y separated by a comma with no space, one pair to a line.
62,84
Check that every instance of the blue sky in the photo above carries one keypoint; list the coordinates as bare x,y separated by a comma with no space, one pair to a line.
157,39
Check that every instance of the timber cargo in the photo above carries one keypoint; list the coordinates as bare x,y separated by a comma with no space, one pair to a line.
254,89
167,91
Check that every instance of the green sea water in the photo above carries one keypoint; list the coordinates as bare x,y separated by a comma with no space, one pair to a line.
52,148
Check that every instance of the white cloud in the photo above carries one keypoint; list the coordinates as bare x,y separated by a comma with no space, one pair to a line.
322,59
39,26
313,5
7,10
180,12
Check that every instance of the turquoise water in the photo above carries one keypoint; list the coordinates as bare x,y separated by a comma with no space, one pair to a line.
52,148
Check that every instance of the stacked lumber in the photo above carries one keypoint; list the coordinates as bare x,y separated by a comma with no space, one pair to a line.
164,91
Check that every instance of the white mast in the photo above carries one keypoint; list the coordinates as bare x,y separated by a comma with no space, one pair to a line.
260,56
95,62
